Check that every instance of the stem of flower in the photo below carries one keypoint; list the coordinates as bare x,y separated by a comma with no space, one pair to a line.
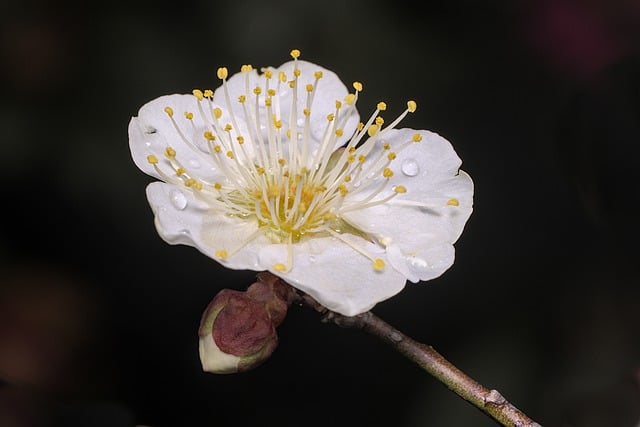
491,402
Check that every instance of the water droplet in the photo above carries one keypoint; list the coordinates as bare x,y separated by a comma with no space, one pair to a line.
178,199
418,263
300,122
194,163
410,167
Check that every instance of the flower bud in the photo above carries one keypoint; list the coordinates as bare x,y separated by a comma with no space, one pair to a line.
238,329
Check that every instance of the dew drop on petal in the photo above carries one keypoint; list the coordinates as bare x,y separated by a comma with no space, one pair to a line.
178,200
410,167
194,163
418,264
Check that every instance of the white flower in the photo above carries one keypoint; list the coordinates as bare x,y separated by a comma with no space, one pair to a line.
275,172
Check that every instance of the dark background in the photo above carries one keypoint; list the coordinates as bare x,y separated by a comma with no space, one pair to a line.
541,99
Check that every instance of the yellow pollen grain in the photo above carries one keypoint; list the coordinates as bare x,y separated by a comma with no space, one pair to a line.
230,154
257,90
373,129
453,202
350,99
198,94
295,54
208,93
381,106
188,115
416,137
152,159
217,113
317,75
387,173
357,86
309,87
391,156
169,111
222,73
221,254
242,99
400,189
279,267
378,264
170,152
411,106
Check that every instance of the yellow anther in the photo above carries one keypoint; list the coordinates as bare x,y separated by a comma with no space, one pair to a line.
242,99
198,94
268,74
331,116
257,90
362,158
378,264
400,189
379,121
170,152
317,75
288,133
230,154
217,149
352,150
360,126
260,170
169,111
343,189
282,76
387,173
152,159
189,182
246,68
306,112
277,124
197,185
295,53
217,113
267,102
221,254
357,86
373,129
381,106
228,127
391,156
217,186
208,93
188,115
279,267
282,162
386,146
292,84
339,132
351,158
240,140
180,171
309,87
222,73
350,99
271,92
453,202
338,105
296,72
347,178
417,137
411,106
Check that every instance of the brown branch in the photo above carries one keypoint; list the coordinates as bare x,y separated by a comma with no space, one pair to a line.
489,401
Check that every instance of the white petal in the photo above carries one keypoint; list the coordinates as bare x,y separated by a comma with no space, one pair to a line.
423,263
334,274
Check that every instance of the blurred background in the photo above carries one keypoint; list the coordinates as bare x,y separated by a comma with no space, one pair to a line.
541,99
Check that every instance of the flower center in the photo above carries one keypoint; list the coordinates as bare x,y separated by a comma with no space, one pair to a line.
275,169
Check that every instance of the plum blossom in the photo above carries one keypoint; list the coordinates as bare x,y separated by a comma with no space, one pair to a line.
274,171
